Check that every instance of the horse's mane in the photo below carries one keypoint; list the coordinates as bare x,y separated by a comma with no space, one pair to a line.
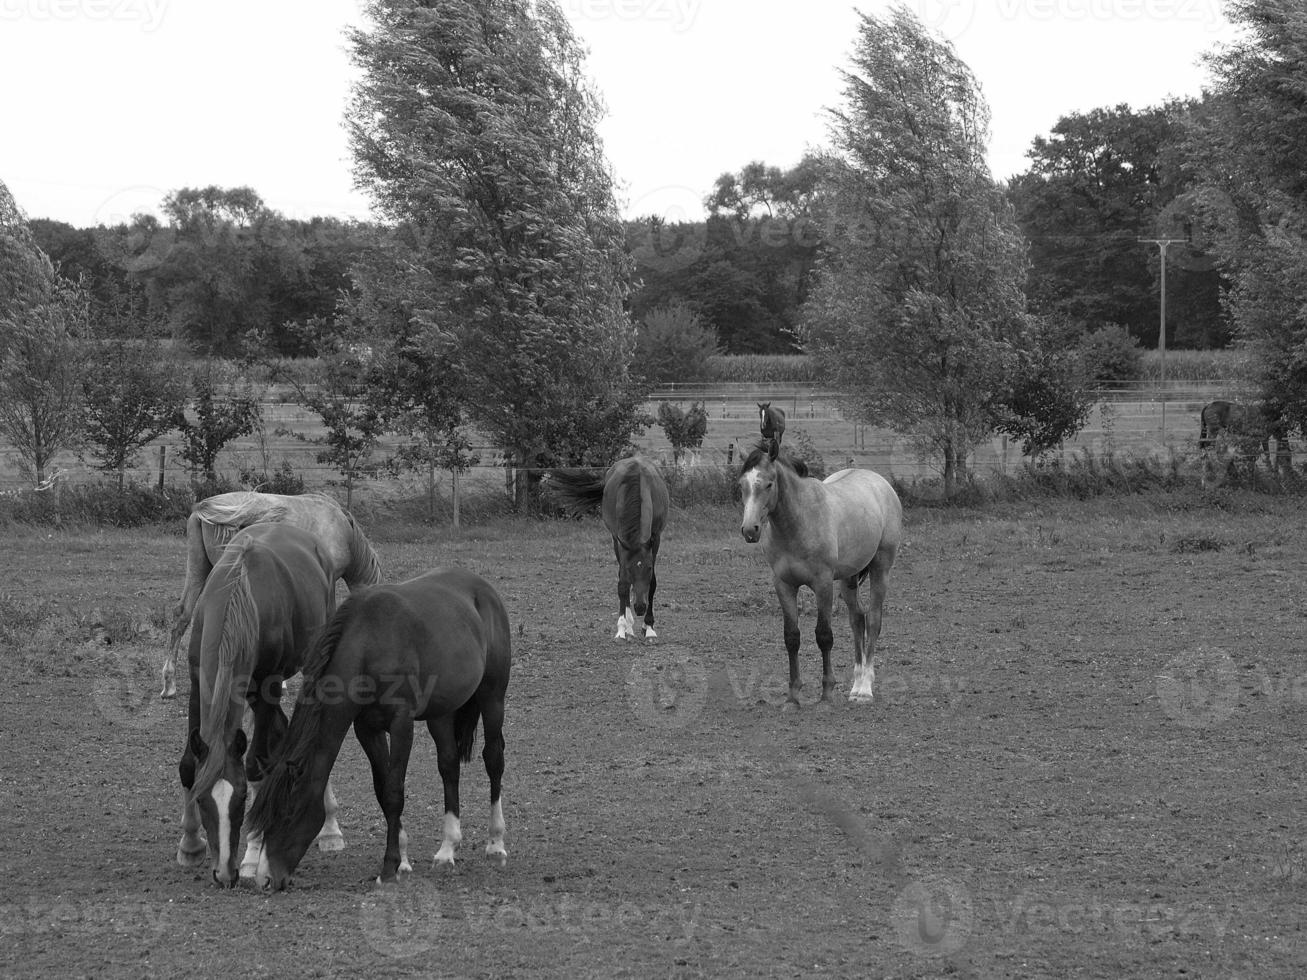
274,800
228,518
240,633
760,451
365,566
632,497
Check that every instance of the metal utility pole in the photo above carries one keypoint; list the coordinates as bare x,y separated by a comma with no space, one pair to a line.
1162,244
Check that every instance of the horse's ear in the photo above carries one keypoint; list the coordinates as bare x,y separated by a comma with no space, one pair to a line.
239,744
198,748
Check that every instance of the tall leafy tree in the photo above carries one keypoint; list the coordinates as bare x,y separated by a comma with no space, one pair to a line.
1097,184
918,307
474,122
1248,145
223,408
41,367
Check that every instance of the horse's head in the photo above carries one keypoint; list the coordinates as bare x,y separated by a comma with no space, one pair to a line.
637,566
219,793
758,490
289,811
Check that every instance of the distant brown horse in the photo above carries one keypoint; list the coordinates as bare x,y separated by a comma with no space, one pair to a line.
771,421
1247,427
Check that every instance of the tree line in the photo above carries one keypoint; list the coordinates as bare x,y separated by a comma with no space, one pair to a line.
499,287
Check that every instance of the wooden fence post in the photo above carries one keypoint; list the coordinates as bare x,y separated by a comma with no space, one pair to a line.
163,455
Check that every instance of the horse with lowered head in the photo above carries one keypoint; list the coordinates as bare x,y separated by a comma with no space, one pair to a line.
259,612
632,498
844,530
215,520
436,648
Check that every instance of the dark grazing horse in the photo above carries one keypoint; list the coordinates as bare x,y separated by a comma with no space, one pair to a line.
436,648
842,530
1248,428
631,495
259,613
216,519
771,422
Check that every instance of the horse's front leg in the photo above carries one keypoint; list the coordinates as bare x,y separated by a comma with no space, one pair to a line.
789,599
825,593
492,722
447,761
376,746
401,744
625,614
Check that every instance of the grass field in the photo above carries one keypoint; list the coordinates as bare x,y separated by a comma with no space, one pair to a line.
1084,760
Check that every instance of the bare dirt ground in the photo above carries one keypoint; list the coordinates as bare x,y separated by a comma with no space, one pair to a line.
1084,759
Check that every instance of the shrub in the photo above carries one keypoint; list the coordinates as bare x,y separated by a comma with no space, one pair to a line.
1112,354
672,344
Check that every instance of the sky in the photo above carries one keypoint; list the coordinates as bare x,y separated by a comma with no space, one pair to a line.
109,105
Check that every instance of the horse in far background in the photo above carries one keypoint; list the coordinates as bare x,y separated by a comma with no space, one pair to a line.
771,422
216,520
1246,428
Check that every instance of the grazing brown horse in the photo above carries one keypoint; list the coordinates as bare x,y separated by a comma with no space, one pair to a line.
845,529
1247,428
632,497
257,617
215,520
436,648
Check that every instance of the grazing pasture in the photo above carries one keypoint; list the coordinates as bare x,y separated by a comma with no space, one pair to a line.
1084,759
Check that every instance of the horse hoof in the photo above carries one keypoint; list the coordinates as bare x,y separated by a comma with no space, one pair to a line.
497,854
192,859
404,866
166,695
442,864
333,843
790,706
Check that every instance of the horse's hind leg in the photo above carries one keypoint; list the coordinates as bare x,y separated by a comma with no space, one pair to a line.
649,633
442,731
198,567
492,718
861,688
864,671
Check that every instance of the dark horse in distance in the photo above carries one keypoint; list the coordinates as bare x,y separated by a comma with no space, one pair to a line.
632,498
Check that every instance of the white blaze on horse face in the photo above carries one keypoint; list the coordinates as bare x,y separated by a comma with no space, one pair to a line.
222,794
451,838
753,491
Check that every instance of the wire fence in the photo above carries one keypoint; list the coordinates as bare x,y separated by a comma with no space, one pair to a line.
1140,418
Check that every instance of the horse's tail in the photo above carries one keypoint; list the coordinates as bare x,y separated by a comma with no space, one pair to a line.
364,566
578,491
240,635
465,727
